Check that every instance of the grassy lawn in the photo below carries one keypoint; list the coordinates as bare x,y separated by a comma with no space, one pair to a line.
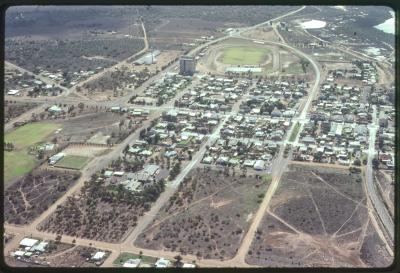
267,178
19,162
243,55
294,132
72,162
124,256
30,134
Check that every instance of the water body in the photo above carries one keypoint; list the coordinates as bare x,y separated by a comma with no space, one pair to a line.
388,25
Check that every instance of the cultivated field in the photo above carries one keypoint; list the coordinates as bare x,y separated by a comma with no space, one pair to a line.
28,197
208,216
317,217
18,162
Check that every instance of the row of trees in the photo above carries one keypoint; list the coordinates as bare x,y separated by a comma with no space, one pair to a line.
8,146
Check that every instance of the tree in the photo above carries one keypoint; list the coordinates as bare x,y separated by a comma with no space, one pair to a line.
375,163
357,162
81,106
126,149
178,261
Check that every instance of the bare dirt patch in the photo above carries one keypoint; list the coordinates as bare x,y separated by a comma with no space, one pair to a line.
82,128
30,196
262,33
13,110
207,216
85,150
101,211
317,217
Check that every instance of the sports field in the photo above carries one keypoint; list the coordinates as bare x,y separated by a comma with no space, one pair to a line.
75,162
18,161
244,55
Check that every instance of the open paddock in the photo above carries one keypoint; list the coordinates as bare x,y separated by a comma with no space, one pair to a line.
208,215
28,197
317,217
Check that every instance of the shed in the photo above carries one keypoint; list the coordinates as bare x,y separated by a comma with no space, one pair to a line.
28,242
98,255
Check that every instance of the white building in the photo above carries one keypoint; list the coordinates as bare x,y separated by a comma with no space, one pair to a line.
98,255
162,263
259,165
12,92
132,263
55,158
28,242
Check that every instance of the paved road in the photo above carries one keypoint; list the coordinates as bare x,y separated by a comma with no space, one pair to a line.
280,163
376,200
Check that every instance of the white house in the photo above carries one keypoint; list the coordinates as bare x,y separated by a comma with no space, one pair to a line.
162,263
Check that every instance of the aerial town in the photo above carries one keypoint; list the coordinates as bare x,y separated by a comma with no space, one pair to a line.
167,136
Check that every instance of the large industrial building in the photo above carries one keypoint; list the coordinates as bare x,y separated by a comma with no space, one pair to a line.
187,65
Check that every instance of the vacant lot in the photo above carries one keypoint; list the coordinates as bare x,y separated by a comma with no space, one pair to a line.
76,54
102,211
28,197
75,162
242,55
317,217
85,150
74,257
208,216
13,110
81,129
385,184
18,162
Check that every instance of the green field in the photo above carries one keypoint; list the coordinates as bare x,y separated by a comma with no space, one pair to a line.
295,68
294,133
124,256
75,162
242,55
19,162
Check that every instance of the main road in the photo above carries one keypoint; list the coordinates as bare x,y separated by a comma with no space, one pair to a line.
376,201
280,162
